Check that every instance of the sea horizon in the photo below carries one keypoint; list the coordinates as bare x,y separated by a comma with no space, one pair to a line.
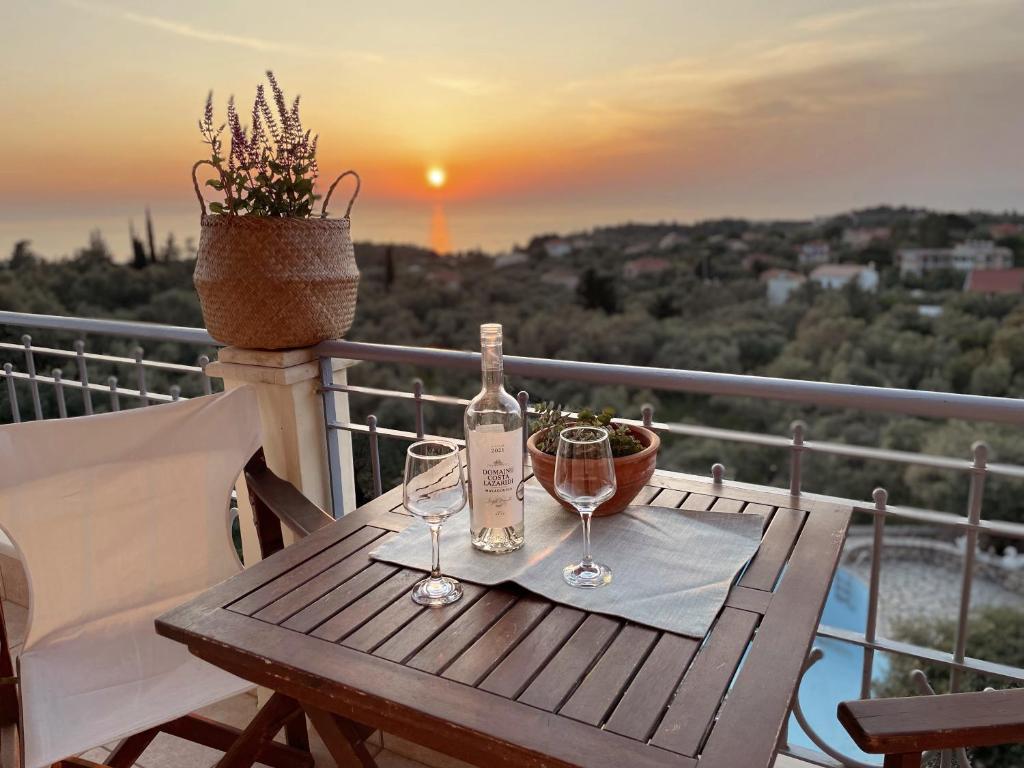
444,227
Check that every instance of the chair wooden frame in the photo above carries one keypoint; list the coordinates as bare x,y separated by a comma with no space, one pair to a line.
903,729
275,503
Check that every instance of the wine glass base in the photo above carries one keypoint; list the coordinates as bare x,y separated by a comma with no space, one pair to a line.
441,591
587,575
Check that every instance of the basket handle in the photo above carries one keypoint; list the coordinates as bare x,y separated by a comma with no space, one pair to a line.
355,194
195,184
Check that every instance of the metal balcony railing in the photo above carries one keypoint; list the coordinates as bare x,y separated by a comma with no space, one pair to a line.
969,524
32,366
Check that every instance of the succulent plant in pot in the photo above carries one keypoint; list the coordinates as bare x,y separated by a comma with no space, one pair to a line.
634,452
271,274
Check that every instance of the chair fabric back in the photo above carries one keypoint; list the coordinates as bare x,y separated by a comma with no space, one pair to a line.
118,518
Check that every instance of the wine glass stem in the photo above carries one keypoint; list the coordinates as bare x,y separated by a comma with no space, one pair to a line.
435,544
587,559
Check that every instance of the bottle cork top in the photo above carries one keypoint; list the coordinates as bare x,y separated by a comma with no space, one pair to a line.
490,333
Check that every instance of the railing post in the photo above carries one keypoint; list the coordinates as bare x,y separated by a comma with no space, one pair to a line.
58,386
334,468
202,362
796,451
295,432
974,502
115,398
371,426
881,497
83,375
417,393
12,393
140,375
30,369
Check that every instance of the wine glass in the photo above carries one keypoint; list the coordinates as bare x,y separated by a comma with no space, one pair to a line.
585,477
434,491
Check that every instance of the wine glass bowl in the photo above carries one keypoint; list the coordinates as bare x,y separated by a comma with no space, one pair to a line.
434,490
585,478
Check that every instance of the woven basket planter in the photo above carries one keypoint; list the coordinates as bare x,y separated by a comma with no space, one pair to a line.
276,283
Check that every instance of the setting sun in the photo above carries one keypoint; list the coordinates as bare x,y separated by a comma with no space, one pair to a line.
436,176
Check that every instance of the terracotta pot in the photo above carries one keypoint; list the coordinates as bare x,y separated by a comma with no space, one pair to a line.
632,473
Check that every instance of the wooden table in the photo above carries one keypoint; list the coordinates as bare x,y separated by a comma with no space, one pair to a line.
506,678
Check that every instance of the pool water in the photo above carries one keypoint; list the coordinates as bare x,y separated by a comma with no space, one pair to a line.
836,677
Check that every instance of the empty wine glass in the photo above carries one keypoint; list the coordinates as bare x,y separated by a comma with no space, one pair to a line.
585,477
434,491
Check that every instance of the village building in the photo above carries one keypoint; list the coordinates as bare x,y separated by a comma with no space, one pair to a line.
814,253
1007,281
780,283
835,276
964,257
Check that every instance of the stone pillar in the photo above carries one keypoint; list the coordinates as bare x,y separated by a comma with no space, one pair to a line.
291,406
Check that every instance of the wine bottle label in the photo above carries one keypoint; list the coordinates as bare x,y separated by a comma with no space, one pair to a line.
495,476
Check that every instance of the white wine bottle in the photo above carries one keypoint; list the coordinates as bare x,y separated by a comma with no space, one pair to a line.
494,443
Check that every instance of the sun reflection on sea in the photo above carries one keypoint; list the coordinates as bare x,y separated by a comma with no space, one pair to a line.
440,240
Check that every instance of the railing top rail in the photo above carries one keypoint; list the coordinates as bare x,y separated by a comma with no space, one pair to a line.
940,405
134,330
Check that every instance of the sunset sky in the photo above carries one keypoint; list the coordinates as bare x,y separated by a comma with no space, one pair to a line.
553,115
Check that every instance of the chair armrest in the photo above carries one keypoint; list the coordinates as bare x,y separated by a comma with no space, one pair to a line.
946,721
272,498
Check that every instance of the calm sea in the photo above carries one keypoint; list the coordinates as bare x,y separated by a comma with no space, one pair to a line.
445,228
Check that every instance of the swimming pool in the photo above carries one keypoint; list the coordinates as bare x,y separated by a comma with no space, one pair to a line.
837,676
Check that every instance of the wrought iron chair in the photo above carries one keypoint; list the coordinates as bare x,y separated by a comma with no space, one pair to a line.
903,729
118,518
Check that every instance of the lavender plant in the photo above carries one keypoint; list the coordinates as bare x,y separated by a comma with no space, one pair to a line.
270,167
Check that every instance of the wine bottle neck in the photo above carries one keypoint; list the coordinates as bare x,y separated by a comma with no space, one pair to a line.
491,367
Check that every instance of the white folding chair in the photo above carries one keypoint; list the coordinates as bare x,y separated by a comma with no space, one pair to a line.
118,518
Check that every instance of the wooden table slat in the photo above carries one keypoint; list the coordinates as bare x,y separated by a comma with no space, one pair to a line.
766,565
308,593
698,502
727,505
669,498
746,599
697,700
647,495
648,695
369,605
462,632
382,626
427,625
513,674
494,644
339,598
560,677
766,510
606,682
294,577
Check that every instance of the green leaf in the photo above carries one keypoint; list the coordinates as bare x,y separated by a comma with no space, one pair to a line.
216,208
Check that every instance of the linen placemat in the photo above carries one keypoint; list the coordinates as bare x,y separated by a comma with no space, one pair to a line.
671,568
